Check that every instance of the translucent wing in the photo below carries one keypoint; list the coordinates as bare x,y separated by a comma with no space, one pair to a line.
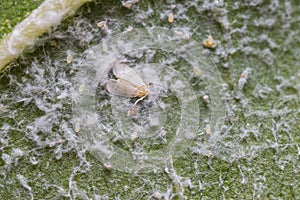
122,87
126,73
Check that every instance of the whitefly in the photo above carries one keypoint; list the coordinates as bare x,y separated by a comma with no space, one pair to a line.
127,84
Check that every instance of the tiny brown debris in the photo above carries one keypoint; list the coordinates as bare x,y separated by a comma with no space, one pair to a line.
171,17
207,129
102,24
206,98
133,136
209,42
197,71
69,57
133,111
77,127
104,48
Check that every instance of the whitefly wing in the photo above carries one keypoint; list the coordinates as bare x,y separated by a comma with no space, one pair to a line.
126,73
121,87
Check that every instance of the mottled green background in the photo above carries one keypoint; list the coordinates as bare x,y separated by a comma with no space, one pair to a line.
258,155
